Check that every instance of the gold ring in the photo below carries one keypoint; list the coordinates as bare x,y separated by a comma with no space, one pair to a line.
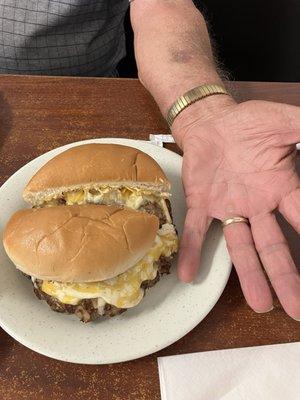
234,220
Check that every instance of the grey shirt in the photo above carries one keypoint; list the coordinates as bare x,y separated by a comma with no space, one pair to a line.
68,37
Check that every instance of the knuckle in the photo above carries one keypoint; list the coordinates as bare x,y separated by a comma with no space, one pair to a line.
236,248
271,248
246,273
283,276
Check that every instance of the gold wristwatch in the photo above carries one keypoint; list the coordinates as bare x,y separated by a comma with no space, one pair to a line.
191,97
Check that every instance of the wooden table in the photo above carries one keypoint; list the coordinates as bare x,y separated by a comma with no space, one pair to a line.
38,114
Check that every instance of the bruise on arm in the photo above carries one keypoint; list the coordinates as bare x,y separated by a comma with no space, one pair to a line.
172,48
190,47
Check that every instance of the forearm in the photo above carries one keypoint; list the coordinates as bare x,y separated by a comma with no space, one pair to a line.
172,49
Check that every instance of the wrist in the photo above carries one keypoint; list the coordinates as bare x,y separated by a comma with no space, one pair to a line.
168,92
199,112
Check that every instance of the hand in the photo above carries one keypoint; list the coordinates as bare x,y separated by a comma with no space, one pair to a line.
241,162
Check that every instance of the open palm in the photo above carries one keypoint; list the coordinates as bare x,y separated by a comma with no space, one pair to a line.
242,163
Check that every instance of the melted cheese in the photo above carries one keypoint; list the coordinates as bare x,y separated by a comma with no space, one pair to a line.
123,196
127,196
123,291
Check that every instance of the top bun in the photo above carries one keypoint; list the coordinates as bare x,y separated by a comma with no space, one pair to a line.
91,165
85,243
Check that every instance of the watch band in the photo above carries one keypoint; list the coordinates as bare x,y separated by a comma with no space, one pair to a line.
191,97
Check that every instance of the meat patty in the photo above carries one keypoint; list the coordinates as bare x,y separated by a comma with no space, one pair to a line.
87,310
155,208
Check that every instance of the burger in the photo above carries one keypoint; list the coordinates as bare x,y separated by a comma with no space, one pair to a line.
89,260
99,232
102,174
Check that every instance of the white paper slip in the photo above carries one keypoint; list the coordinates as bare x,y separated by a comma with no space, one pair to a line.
160,139
251,373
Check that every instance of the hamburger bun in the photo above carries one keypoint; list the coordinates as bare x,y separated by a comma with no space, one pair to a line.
92,165
84,243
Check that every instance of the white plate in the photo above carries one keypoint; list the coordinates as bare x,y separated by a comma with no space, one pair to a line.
169,310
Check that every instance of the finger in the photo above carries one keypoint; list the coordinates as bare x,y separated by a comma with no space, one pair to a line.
291,116
248,267
291,138
290,209
195,228
277,261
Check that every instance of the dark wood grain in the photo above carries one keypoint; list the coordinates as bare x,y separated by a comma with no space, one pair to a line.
38,114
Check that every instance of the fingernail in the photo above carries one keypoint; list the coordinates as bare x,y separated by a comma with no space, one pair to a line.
266,311
297,319
188,283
